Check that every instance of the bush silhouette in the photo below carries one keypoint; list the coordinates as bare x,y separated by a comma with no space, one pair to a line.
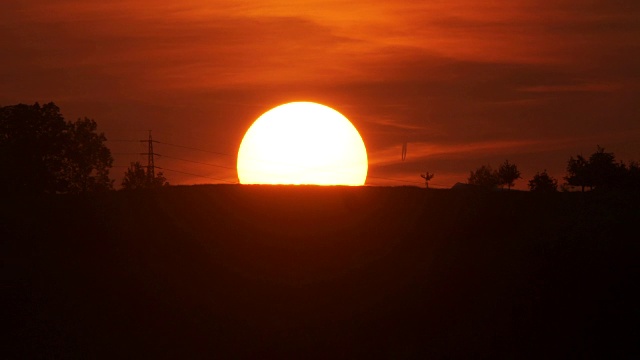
137,178
542,182
484,176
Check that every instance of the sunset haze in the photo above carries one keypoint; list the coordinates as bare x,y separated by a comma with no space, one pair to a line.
463,83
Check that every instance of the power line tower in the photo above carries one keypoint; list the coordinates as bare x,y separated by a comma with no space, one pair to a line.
151,168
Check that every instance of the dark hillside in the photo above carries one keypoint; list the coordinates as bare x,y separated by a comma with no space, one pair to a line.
326,272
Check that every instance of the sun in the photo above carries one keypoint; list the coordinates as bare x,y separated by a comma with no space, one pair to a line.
302,143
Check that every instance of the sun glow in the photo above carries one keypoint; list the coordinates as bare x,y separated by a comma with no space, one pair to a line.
302,143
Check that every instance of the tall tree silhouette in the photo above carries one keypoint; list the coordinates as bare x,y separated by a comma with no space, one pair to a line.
41,152
87,160
508,173
578,172
136,177
484,176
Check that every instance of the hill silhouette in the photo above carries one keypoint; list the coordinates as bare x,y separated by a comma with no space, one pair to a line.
320,272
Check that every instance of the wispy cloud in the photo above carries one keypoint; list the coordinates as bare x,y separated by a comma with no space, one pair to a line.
573,88
419,151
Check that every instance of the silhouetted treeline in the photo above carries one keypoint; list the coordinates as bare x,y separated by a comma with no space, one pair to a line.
486,177
40,152
601,171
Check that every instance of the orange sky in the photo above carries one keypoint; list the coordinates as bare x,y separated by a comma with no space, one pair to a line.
466,83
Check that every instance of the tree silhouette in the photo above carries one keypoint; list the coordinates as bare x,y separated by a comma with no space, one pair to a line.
578,172
484,176
600,171
631,178
427,176
87,161
507,174
136,177
542,182
48,154
604,170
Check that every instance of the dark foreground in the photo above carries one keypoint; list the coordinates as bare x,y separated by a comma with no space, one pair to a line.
273,272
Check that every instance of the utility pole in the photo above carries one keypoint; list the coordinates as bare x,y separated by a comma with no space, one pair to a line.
151,168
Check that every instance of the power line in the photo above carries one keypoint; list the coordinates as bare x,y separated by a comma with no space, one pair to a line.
193,148
202,176
399,180
227,154
198,162
217,153
370,178
227,167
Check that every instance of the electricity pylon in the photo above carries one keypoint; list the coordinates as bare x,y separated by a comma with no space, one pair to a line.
151,168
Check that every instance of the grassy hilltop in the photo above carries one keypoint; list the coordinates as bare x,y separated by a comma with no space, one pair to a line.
326,272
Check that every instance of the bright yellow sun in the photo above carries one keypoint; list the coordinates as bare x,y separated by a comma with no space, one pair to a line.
302,143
